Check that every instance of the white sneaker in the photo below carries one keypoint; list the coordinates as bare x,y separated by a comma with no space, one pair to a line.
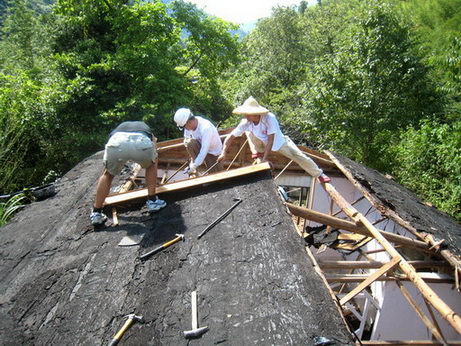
97,218
153,206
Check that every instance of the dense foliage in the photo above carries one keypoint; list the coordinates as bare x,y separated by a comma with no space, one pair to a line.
378,81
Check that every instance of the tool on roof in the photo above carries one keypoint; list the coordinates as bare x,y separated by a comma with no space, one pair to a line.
219,219
131,319
161,247
195,332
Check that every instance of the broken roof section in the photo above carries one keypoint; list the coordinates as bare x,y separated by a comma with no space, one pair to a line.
402,205
63,283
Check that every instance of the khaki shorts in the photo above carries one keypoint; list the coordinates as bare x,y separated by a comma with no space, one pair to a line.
128,146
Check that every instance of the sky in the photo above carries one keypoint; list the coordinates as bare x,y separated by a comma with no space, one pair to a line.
243,11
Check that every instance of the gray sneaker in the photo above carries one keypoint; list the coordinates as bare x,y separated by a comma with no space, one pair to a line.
153,206
97,218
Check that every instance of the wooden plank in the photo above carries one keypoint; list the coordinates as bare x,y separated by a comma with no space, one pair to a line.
429,325
360,277
185,184
336,222
444,309
369,280
428,238
375,265
405,343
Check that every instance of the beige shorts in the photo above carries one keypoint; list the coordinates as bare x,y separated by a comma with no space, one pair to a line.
128,146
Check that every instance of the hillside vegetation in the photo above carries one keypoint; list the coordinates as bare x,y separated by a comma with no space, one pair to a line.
378,81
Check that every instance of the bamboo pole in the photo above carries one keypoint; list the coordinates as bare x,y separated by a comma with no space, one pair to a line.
283,170
375,264
429,325
176,172
351,227
454,260
369,280
445,311
238,153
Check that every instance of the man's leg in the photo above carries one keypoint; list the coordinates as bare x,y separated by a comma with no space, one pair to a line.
97,217
290,150
257,147
153,202
104,184
210,160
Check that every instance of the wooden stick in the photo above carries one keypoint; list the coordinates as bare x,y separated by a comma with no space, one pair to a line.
369,280
186,184
375,264
361,277
426,237
351,227
434,320
283,170
114,217
241,148
176,172
445,311
405,342
418,311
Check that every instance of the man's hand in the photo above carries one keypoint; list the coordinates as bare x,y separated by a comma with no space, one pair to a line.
192,169
221,157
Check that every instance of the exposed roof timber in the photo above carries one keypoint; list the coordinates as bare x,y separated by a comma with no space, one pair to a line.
360,277
370,279
374,264
352,227
433,328
445,311
405,343
185,184
428,238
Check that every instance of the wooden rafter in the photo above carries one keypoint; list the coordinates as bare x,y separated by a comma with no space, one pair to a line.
369,280
445,311
428,238
185,184
351,226
360,277
375,264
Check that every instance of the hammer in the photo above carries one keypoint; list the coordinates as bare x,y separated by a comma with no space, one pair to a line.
131,319
161,247
195,331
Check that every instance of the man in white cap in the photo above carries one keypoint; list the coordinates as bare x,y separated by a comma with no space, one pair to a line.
264,136
201,139
130,141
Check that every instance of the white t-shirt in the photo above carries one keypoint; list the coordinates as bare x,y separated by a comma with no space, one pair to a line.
268,125
208,137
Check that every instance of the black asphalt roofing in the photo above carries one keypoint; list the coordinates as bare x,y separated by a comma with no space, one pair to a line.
406,204
64,283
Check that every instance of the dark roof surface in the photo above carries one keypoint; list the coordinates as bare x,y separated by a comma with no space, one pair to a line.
63,283
406,204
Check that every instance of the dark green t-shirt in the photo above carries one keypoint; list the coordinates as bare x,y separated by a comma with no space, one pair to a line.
134,126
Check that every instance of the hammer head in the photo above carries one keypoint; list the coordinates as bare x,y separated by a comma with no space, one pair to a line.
180,236
195,333
135,318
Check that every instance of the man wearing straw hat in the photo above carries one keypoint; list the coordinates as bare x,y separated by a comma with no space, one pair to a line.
201,139
264,136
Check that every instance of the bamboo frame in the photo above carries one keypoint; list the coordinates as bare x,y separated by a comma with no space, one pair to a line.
445,311
429,325
370,279
352,227
428,238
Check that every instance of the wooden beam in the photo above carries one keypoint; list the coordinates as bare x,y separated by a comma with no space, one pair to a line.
428,238
360,277
429,325
369,280
405,343
375,265
352,227
185,184
445,311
